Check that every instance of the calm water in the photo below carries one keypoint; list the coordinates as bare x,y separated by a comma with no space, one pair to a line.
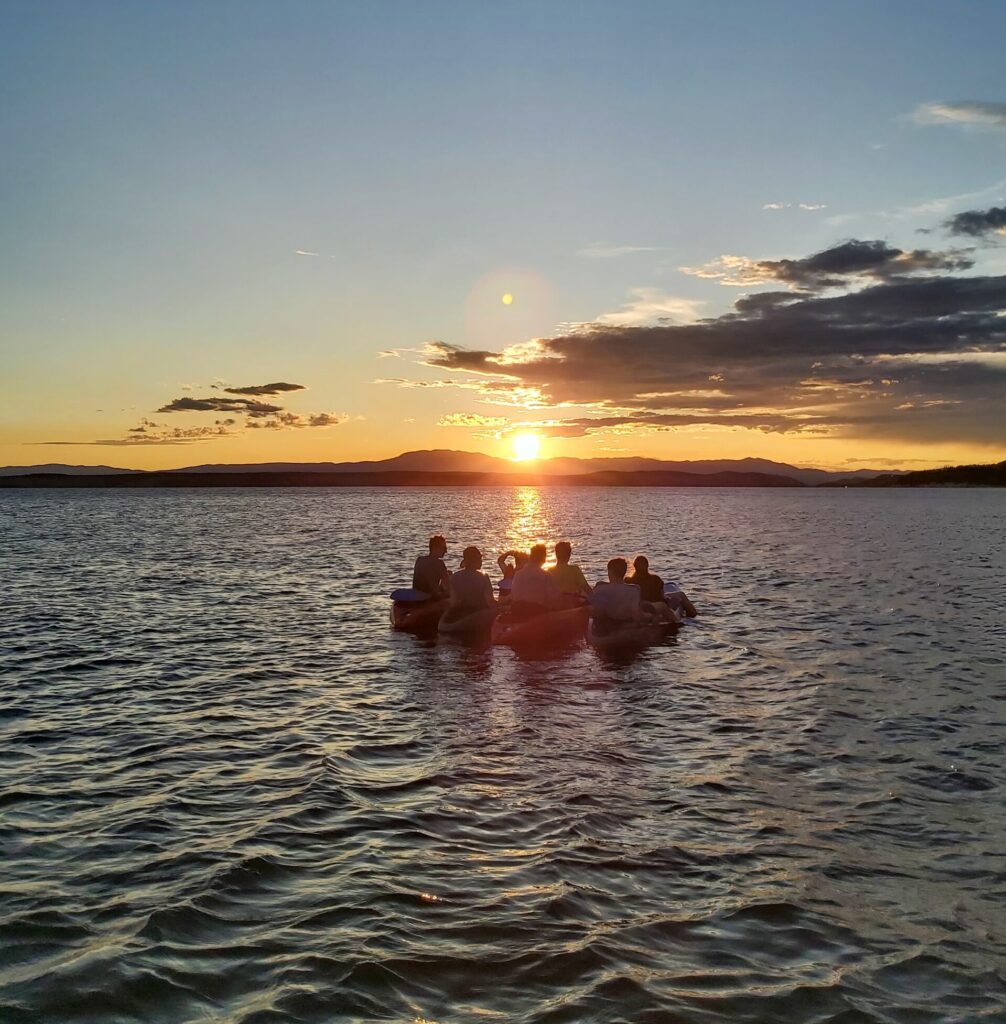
230,793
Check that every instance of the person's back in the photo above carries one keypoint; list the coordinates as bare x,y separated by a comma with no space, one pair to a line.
533,590
651,586
470,590
429,574
567,577
616,600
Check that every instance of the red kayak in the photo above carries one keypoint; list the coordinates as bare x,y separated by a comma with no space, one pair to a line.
417,615
550,629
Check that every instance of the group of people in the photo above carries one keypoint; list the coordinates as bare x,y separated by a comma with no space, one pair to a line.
529,589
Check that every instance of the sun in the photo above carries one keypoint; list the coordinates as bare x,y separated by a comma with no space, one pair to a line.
507,299
526,447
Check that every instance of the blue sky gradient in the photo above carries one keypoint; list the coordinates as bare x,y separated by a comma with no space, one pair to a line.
164,163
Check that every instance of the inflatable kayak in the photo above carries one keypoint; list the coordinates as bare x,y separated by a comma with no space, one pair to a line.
467,623
677,600
415,610
617,636
551,628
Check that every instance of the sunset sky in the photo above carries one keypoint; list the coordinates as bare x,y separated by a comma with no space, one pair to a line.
245,231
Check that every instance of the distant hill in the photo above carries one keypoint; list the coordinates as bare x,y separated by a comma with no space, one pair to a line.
993,475
447,461
59,467
400,478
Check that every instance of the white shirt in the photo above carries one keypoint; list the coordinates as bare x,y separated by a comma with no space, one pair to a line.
533,585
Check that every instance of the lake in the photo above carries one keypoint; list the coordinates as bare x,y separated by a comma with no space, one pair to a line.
231,793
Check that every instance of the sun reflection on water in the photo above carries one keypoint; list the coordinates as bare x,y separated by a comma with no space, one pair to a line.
529,522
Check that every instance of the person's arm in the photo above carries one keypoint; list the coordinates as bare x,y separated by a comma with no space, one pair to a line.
501,561
582,586
487,590
445,581
640,612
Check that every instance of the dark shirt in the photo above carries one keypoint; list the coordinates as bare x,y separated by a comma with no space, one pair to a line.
431,576
471,591
650,585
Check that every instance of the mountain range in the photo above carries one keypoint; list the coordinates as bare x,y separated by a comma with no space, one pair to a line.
448,461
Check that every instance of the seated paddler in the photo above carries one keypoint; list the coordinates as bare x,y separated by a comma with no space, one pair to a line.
534,592
617,601
651,588
567,576
430,575
656,593
471,590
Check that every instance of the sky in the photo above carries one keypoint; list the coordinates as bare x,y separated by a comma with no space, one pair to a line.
250,232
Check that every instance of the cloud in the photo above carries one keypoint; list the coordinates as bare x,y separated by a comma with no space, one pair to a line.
292,420
797,206
802,363
239,405
265,389
973,112
326,419
142,436
601,250
651,305
257,415
833,267
978,223
470,419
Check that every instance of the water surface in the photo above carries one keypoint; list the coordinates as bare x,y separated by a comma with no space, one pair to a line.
230,793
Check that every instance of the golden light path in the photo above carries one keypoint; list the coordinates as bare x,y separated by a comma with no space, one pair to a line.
526,447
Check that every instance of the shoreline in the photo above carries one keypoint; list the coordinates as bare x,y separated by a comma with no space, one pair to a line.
991,477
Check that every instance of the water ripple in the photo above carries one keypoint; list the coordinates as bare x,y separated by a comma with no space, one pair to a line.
230,793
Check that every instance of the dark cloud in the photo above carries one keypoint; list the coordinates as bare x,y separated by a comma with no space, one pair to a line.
286,420
908,358
143,436
455,357
830,267
265,389
238,405
835,267
257,414
978,223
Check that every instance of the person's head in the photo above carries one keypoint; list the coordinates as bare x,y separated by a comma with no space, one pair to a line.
438,546
538,554
641,565
520,559
563,550
617,569
471,558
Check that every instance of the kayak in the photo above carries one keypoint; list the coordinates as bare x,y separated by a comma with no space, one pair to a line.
415,611
547,630
677,600
468,623
622,636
